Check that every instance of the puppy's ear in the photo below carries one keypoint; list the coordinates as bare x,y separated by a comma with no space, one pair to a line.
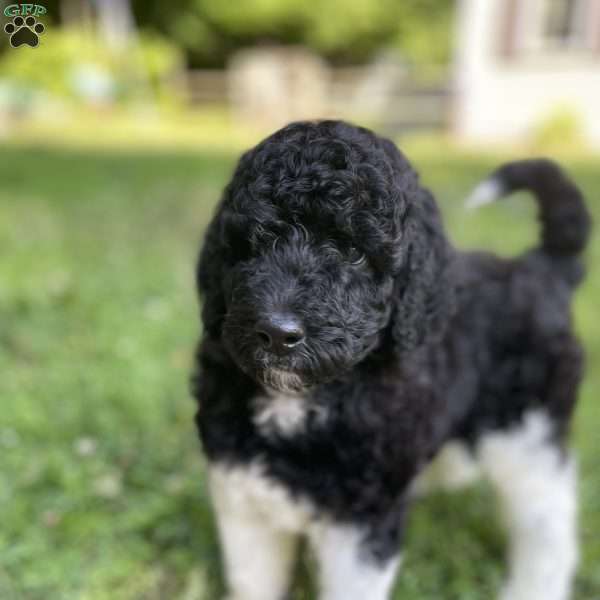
209,278
424,293
226,241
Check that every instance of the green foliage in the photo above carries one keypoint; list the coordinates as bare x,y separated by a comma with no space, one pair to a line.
425,33
560,129
346,31
128,72
352,30
102,493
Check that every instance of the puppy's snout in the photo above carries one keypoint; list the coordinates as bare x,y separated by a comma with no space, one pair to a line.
279,332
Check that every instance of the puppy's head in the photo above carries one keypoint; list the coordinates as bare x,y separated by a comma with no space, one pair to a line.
322,244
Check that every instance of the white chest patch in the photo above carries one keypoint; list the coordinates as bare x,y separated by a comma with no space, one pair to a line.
283,414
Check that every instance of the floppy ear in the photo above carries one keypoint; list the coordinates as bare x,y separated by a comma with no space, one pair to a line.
225,241
210,271
424,293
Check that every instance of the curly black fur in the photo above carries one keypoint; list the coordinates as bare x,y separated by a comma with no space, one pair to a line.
412,346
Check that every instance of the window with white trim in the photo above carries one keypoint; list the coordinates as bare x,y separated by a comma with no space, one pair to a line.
550,27
564,24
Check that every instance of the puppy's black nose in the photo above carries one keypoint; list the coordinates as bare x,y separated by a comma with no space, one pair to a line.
279,332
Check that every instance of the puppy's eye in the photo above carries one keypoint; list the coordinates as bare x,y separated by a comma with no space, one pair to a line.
356,257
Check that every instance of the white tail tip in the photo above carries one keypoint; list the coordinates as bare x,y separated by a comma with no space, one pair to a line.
485,193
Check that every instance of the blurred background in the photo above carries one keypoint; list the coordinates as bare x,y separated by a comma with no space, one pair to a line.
119,125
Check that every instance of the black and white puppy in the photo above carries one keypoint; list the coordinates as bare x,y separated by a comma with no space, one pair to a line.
347,344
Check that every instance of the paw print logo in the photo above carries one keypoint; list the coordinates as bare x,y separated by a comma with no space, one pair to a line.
24,31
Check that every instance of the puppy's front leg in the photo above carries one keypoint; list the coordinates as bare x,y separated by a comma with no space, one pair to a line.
348,567
258,556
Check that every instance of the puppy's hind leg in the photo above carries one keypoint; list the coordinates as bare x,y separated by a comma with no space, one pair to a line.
536,482
454,468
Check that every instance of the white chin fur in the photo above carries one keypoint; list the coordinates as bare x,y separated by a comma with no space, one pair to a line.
283,381
485,193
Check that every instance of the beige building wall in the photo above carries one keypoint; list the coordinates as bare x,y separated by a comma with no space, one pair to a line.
500,97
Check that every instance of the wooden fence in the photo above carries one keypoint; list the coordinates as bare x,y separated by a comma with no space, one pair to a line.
402,105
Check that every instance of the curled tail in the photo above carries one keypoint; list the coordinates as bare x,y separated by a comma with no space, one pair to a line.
566,222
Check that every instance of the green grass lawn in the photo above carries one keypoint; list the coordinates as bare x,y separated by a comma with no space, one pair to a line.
102,492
